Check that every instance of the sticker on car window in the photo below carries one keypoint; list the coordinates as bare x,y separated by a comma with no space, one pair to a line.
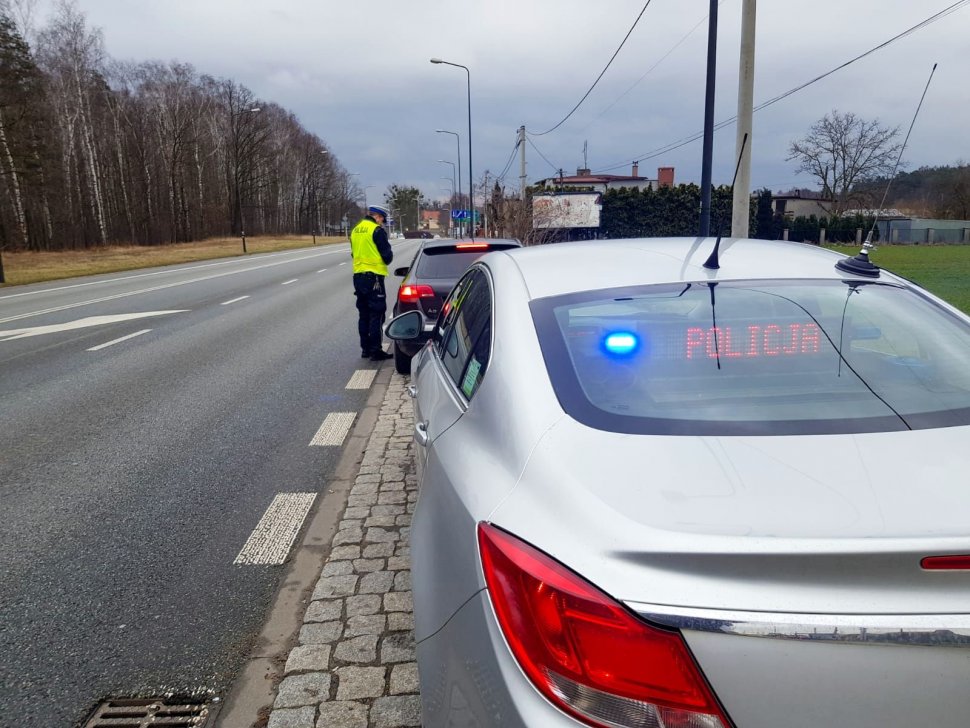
471,377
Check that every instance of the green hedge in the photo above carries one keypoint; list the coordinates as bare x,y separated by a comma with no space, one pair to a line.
675,211
667,211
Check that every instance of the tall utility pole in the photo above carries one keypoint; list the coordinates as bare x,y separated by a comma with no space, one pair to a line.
741,210
522,160
705,227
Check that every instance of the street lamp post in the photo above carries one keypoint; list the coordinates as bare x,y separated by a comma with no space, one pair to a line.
458,157
315,217
235,131
451,201
449,207
471,189
453,185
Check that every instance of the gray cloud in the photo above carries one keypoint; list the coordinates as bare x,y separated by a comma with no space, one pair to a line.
358,75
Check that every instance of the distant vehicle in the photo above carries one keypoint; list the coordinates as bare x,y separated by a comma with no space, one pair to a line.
655,492
436,267
419,234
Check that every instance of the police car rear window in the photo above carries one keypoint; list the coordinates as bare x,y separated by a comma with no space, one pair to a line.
767,358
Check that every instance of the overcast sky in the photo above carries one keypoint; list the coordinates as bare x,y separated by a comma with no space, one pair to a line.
358,75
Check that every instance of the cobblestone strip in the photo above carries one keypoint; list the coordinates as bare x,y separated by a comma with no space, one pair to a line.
355,665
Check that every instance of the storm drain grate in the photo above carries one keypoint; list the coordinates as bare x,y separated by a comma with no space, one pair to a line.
145,713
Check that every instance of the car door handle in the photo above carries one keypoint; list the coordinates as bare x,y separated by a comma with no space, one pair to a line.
412,391
421,433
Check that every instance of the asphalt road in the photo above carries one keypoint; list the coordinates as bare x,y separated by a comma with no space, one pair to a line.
147,421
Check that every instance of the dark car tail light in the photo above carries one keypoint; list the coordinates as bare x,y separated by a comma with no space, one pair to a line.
411,294
587,653
959,562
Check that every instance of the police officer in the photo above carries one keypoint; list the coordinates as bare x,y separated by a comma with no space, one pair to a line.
371,251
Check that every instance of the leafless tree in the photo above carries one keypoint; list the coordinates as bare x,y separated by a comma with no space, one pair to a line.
94,151
843,150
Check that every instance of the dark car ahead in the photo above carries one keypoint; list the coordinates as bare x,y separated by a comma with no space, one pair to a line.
436,268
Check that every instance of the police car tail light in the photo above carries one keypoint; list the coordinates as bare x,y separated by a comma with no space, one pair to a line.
958,562
411,294
587,653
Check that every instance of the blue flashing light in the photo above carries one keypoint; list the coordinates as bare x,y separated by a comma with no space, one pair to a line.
621,343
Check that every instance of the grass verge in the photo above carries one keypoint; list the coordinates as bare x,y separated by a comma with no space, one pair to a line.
941,269
35,267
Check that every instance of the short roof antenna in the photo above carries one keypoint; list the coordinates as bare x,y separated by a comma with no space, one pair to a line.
860,264
712,262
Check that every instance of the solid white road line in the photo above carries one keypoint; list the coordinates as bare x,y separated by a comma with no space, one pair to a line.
271,540
334,429
152,289
84,323
167,270
362,379
292,280
234,300
118,341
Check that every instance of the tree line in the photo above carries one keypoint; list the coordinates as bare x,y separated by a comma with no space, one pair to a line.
95,151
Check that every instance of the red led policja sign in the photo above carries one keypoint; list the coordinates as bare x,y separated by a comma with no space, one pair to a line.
735,342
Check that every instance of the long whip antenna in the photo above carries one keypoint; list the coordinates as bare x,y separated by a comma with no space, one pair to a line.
900,157
860,264
712,261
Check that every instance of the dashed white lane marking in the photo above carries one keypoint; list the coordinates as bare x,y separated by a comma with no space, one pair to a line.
362,379
334,429
271,540
234,300
344,263
118,341
322,270
292,280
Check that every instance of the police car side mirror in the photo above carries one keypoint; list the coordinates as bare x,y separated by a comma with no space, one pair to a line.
405,327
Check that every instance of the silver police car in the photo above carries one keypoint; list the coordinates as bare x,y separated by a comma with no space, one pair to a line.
655,492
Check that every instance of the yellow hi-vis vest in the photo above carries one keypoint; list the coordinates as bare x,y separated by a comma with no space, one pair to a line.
367,259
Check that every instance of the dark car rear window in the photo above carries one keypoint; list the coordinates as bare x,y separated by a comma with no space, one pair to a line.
765,357
447,261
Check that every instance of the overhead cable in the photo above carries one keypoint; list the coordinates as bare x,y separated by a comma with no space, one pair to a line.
726,122
555,168
615,54
508,164
650,70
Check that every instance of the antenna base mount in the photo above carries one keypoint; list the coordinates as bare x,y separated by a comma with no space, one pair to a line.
860,265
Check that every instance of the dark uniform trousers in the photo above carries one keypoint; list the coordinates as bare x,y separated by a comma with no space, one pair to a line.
372,308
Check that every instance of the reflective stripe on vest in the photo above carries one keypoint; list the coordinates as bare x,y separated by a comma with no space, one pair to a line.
367,259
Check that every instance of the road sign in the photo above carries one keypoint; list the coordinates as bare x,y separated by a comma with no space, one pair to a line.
459,215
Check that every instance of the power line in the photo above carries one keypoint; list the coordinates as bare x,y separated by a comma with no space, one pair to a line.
615,54
508,164
650,70
554,167
726,122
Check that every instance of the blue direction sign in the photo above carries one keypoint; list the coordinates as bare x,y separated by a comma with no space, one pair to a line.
459,215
